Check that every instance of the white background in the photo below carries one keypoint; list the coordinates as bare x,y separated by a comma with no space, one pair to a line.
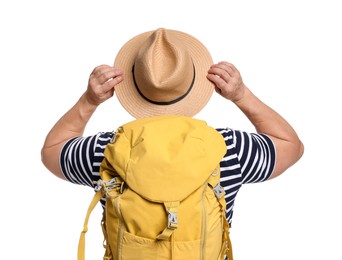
289,54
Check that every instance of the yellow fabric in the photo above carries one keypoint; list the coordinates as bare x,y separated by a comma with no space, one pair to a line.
162,205
81,244
180,146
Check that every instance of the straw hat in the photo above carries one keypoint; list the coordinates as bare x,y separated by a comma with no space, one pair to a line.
165,73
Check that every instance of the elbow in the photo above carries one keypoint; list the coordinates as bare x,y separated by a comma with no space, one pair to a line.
288,154
50,159
297,152
301,150
43,157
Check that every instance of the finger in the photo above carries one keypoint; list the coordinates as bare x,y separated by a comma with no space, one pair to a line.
108,74
218,90
218,81
226,63
221,71
112,82
97,71
230,68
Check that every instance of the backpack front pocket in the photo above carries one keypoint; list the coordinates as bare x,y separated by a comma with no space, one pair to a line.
135,247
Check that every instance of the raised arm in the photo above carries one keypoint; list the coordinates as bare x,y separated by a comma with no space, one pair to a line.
101,85
229,84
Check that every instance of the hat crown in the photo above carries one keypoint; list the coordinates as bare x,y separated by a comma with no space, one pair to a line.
169,76
163,68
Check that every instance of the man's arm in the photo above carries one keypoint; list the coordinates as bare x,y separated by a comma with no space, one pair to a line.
100,88
229,84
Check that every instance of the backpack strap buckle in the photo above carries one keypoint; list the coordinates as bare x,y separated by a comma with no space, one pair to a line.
172,220
108,186
214,183
172,210
218,190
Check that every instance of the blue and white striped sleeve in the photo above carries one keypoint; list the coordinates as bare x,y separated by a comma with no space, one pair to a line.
80,158
256,154
231,177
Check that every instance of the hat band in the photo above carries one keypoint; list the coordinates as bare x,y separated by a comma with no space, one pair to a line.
164,102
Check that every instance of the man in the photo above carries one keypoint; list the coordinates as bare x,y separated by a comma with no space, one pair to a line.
170,72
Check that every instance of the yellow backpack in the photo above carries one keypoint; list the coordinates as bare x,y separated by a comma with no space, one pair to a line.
161,180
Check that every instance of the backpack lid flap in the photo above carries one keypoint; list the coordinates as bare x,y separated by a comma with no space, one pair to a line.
165,158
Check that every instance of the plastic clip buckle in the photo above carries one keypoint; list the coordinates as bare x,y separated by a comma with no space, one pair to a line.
218,190
172,220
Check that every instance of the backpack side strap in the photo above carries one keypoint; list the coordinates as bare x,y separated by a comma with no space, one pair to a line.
214,182
81,244
227,245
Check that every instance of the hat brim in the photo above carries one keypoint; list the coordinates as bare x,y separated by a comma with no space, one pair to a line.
193,103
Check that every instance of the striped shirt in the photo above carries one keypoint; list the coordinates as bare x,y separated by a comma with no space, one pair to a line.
250,158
